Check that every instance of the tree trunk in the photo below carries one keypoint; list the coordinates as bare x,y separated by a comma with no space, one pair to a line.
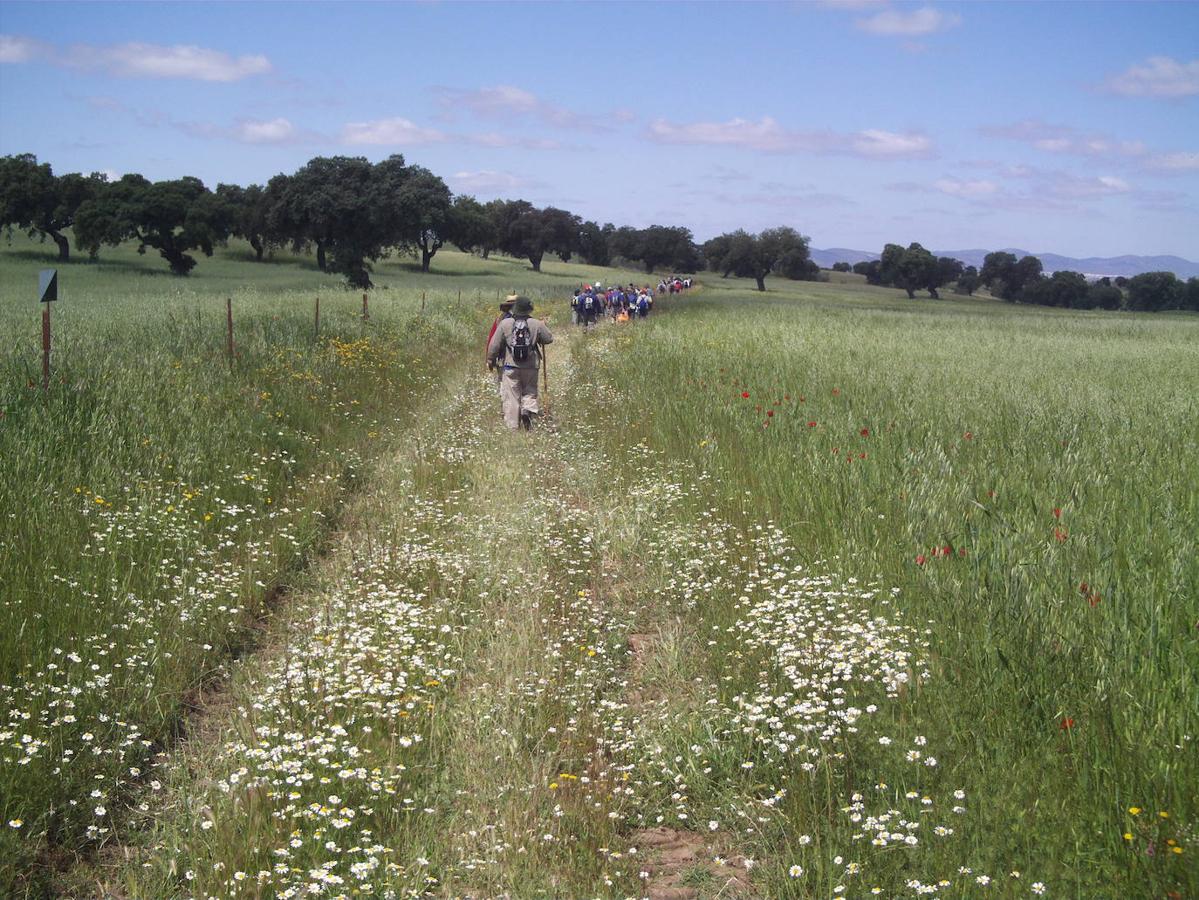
486,252
180,262
425,256
911,293
320,256
64,246
649,267
535,259
256,243
761,279
932,292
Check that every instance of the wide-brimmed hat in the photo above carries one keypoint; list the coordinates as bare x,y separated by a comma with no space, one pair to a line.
523,306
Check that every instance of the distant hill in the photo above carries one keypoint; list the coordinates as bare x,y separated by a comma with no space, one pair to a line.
1091,265
826,258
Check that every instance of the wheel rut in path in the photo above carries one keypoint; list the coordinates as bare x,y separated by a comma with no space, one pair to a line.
677,859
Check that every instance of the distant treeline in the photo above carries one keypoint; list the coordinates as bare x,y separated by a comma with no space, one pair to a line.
352,213
1024,281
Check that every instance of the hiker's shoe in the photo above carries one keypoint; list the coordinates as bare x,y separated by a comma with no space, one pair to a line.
526,421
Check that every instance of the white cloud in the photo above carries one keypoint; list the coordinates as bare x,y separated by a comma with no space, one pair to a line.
503,98
1062,139
957,188
1065,139
496,140
1065,185
918,22
180,61
1035,189
507,102
781,199
889,145
768,136
17,49
486,182
139,60
390,131
851,4
273,131
763,135
1053,145
1174,162
1158,76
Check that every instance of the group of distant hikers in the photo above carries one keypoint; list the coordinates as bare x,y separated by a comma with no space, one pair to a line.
516,343
621,303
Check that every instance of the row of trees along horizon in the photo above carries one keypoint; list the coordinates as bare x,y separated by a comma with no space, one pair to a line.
352,213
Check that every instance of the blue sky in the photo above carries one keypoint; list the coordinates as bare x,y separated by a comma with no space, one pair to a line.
1060,127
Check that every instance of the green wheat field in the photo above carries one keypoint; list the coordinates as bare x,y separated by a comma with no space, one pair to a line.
816,593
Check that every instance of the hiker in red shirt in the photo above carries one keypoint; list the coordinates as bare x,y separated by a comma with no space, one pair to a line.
505,313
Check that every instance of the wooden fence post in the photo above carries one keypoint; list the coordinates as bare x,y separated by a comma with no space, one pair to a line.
45,346
229,328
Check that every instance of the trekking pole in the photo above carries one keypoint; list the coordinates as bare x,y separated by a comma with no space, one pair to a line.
545,370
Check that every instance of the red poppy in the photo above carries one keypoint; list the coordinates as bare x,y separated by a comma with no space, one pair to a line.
1067,724
836,392
865,432
769,413
811,424
947,550
1083,587
1057,512
920,560
1093,599
1061,534
745,395
969,435
861,456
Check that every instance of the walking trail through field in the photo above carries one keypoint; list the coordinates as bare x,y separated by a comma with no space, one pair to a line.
466,675
511,675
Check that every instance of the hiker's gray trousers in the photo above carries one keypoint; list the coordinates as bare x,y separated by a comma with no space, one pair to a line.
518,393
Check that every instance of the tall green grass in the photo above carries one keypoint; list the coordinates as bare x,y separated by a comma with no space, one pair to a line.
1029,479
986,460
154,497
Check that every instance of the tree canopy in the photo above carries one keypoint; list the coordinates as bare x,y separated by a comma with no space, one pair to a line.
248,215
529,233
1007,277
756,256
1152,291
173,217
472,227
33,199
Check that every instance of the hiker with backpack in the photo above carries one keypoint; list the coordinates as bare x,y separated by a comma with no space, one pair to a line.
516,346
588,309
